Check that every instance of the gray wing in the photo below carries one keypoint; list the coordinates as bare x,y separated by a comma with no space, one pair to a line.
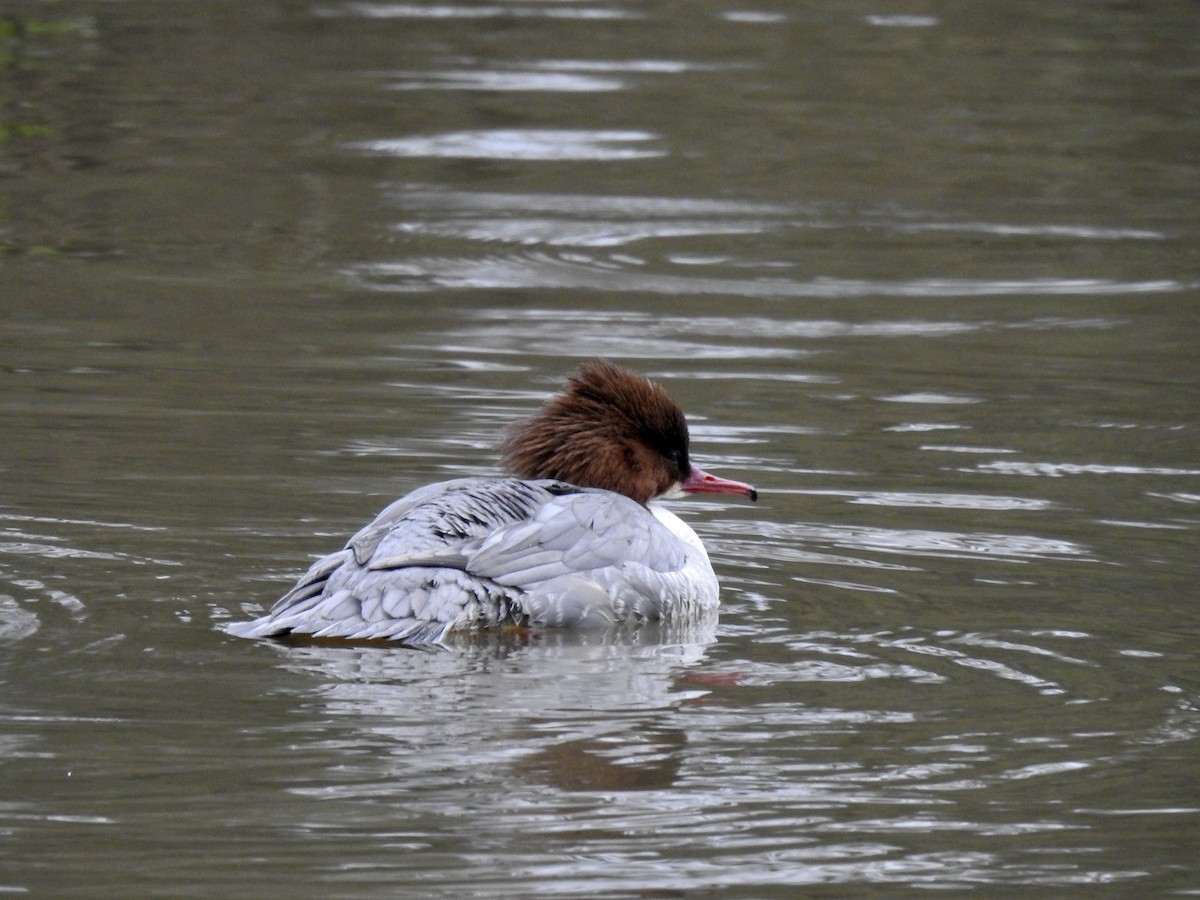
433,526
481,551
583,557
520,533
442,520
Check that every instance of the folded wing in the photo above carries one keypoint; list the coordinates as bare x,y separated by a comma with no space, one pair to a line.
483,551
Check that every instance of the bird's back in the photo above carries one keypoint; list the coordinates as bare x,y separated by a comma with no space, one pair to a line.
480,552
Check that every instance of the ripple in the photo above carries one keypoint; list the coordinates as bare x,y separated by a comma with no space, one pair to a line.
436,200
922,500
782,552
96,523
1001,229
979,545
630,334
783,217
1161,526
456,11
585,273
1176,496
869,652
924,426
929,398
588,223
532,144
559,232
902,21
758,327
1022,773
618,335
1060,470
751,17
617,347
980,640
958,448
16,622
44,547
53,551
616,748
489,80
828,671
641,66
554,76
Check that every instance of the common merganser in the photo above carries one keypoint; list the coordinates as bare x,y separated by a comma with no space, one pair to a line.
569,542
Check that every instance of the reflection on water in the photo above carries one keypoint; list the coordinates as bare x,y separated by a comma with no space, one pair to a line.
943,501
603,751
595,222
650,760
480,11
573,711
1058,470
500,81
907,542
532,145
560,76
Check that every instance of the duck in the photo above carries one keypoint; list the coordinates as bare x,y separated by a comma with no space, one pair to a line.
572,537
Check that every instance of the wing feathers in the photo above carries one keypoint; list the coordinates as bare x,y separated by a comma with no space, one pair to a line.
481,551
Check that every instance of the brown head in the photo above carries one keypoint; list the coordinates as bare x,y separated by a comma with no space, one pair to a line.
613,429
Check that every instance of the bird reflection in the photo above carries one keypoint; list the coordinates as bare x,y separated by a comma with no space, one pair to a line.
641,759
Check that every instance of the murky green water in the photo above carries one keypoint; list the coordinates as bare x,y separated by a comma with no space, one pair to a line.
927,277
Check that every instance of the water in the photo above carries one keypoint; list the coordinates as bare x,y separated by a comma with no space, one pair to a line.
926,276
